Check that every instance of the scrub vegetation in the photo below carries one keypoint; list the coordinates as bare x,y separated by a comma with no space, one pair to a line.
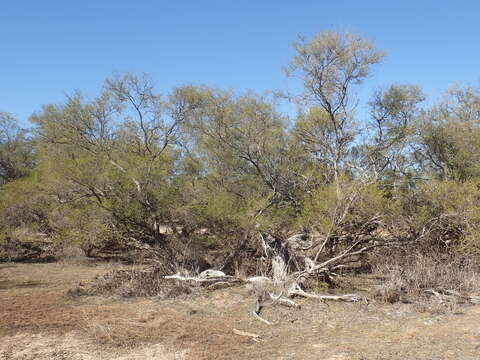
205,178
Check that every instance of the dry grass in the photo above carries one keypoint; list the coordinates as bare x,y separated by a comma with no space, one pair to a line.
71,346
412,280
117,332
71,255
40,322
133,282
135,328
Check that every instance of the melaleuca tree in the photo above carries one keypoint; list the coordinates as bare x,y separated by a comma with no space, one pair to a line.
117,151
16,150
386,151
250,182
449,143
330,65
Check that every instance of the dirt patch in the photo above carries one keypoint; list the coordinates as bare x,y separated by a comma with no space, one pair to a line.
39,321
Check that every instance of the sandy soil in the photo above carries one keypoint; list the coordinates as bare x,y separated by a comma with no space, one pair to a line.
39,321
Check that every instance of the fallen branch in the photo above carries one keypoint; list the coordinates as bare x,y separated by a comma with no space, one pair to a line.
261,287
255,337
452,295
474,299
258,317
224,279
297,291
221,285
287,302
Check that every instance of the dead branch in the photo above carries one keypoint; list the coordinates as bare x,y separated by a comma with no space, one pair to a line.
210,280
474,299
255,337
220,285
453,296
297,291
287,302
258,317
199,280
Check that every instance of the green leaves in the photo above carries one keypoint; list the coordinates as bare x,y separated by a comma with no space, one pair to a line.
17,157
200,160
450,136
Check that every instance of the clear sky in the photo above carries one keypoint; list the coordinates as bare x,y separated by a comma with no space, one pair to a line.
48,48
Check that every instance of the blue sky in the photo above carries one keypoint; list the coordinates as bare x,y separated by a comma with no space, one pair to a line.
49,48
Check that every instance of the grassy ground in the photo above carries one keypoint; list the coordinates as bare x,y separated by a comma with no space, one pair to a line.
39,321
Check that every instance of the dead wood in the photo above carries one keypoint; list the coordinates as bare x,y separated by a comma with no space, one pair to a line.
449,296
258,317
255,337
209,280
297,291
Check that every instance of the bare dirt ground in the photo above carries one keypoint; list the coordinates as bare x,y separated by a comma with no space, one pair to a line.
39,321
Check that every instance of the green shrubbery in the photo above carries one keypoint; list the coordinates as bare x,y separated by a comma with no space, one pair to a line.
208,166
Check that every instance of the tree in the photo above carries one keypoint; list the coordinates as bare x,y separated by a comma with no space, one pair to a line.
240,146
117,151
449,143
330,65
388,152
16,151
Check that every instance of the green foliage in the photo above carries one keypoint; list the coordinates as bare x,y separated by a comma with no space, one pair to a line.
16,151
24,204
212,166
395,112
450,135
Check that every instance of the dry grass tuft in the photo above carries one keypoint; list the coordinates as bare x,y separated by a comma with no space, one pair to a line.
413,280
117,332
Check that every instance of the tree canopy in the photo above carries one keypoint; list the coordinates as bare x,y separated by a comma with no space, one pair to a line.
201,167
